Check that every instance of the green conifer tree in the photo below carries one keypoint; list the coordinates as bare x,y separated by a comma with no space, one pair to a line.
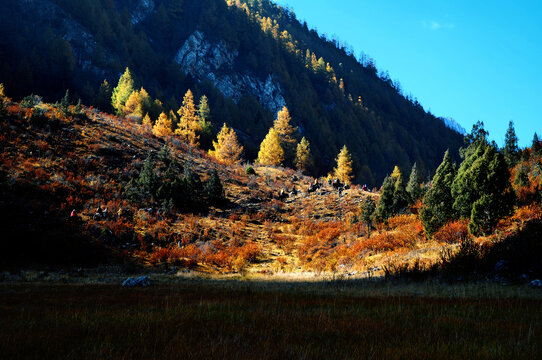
511,149
213,190
400,196
65,103
437,209
384,208
414,188
536,147
368,209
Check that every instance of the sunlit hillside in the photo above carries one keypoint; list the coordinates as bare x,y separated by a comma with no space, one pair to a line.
70,196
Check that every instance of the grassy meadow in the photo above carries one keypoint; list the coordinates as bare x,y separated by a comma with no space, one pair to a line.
253,319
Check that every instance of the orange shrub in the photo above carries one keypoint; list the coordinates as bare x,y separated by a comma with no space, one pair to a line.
453,232
527,213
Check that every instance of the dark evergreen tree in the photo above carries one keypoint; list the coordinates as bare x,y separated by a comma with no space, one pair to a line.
536,147
511,149
148,180
368,212
213,190
465,188
401,198
497,197
482,190
65,103
437,209
414,188
384,208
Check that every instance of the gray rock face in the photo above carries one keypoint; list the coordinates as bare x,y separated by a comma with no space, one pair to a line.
142,10
215,62
80,39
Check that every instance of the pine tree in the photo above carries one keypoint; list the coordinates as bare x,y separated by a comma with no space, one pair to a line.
147,123
414,188
303,158
483,180
204,116
468,182
368,209
271,152
65,103
123,90
511,149
437,208
188,125
343,171
103,98
213,189
133,106
400,196
227,148
286,133
535,147
148,180
384,208
162,127
396,174
496,197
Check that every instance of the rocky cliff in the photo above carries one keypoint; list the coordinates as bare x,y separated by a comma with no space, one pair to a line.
215,62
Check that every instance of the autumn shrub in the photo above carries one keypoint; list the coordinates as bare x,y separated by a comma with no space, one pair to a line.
527,213
453,232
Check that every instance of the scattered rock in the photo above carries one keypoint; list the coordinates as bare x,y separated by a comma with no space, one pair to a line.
142,281
501,266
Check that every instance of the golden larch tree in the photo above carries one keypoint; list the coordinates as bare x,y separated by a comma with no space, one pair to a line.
162,127
303,158
343,171
188,125
227,148
147,123
396,175
271,153
285,132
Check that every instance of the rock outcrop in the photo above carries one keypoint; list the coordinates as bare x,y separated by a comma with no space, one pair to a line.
143,9
216,62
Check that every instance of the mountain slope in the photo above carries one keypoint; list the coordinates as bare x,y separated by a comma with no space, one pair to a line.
248,57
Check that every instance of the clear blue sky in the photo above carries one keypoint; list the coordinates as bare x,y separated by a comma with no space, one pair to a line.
469,60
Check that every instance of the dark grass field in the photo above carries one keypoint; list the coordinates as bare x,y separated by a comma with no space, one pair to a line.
243,320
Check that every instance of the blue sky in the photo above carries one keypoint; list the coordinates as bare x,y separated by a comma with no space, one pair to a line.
469,60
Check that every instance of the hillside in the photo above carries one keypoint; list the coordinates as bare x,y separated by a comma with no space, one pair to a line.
57,160
54,163
249,57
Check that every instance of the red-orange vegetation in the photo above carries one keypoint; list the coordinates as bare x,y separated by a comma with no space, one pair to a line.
453,232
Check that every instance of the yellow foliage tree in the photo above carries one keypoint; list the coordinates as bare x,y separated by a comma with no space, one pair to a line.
271,153
285,132
162,127
133,106
138,104
188,125
227,148
147,123
303,158
343,171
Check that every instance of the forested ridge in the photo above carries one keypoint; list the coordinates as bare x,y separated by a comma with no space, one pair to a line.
334,98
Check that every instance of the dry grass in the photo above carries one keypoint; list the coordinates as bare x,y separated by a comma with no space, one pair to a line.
239,320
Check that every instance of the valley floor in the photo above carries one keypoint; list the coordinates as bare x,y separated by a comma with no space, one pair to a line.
198,316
